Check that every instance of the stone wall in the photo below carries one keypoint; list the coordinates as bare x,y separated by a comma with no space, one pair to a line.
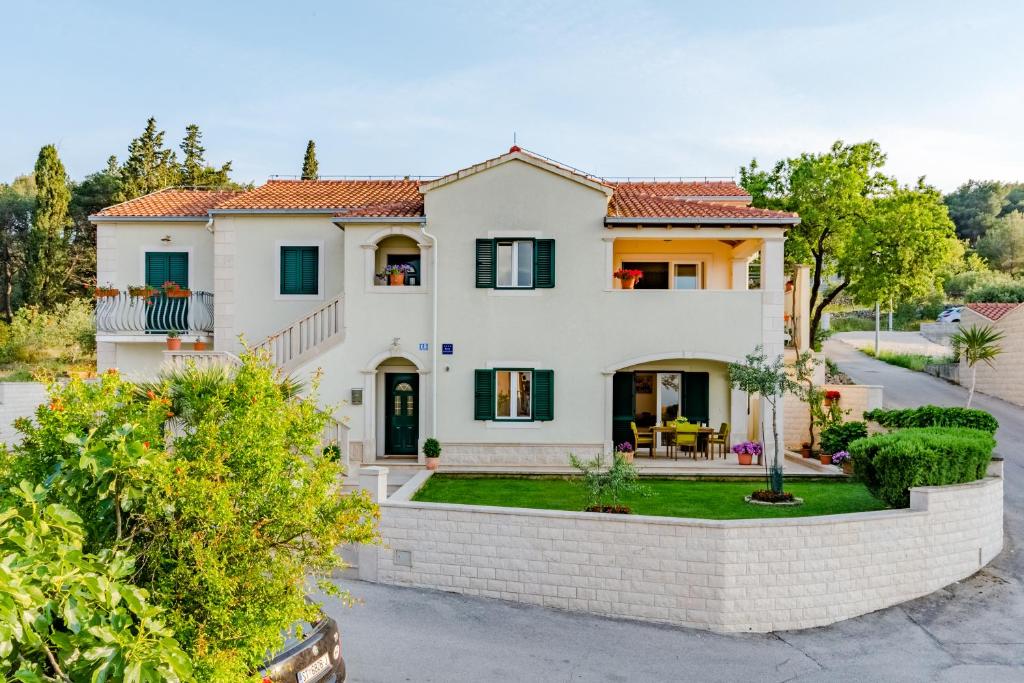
856,398
17,399
735,575
520,455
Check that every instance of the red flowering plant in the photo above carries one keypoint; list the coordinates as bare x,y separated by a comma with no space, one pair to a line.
832,395
628,274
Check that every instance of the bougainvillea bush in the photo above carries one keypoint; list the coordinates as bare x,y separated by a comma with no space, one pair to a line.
215,481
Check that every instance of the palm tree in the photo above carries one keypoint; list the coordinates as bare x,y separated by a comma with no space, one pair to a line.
976,344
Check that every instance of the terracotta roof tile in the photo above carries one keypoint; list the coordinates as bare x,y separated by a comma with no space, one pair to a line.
992,311
395,198
635,203
681,189
170,203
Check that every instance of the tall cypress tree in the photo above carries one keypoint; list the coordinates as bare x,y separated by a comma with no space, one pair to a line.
194,169
149,166
310,167
48,238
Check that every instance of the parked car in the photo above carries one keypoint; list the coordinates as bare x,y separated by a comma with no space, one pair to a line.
950,315
313,657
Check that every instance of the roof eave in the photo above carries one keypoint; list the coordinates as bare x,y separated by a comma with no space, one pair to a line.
100,218
615,221
379,219
530,159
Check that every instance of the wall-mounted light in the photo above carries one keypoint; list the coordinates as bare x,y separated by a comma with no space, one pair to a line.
166,239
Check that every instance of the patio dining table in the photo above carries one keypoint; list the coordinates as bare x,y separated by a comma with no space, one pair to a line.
702,439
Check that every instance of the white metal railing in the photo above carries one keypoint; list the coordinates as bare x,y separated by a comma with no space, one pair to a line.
309,333
156,314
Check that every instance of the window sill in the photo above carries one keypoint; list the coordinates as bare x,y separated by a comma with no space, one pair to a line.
512,424
513,292
405,289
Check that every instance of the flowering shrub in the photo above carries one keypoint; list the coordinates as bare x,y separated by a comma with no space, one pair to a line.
832,395
840,457
399,269
628,274
751,447
624,447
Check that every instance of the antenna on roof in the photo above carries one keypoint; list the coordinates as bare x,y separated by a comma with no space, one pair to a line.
514,143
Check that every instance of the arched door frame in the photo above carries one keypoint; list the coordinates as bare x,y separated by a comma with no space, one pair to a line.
373,402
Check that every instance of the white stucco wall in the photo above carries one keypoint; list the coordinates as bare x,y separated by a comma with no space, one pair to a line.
1005,377
729,575
18,399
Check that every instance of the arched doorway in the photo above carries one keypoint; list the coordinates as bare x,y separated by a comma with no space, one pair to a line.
395,414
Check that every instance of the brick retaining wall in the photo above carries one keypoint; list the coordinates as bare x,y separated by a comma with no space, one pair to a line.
734,575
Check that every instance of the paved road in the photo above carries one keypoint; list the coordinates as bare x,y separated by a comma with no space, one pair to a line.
972,631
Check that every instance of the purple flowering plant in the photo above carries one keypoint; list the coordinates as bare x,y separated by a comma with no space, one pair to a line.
397,268
624,447
752,447
841,457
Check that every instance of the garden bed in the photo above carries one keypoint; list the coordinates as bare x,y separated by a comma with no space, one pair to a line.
667,497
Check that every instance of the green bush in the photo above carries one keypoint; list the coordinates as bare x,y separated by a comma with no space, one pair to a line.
960,284
1009,293
67,334
432,448
891,464
934,416
838,437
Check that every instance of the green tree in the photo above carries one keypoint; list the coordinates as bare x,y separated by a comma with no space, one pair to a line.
976,345
149,167
904,248
1002,245
974,206
47,272
310,167
833,192
194,170
17,201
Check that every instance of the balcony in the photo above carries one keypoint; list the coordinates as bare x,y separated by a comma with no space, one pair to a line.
124,317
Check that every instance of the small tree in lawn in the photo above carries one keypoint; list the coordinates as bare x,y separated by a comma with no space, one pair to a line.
976,345
758,375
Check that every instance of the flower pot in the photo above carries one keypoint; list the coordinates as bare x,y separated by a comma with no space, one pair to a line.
627,455
847,467
824,458
199,345
173,343
627,282
805,451
432,463
397,279
178,293
745,458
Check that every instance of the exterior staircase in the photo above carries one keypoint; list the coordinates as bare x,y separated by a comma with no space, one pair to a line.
307,337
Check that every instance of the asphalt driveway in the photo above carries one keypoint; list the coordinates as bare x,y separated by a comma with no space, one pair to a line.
971,631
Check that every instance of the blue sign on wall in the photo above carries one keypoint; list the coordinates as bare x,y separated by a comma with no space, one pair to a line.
424,346
447,349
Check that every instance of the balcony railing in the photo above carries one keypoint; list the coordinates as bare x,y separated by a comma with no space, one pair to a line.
157,314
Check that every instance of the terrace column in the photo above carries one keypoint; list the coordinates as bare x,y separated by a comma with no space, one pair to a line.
740,273
225,335
739,417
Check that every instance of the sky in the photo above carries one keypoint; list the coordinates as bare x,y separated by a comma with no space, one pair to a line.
613,88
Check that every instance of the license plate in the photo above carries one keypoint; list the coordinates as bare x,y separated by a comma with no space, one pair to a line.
315,670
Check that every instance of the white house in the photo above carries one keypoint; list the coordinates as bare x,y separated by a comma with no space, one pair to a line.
511,342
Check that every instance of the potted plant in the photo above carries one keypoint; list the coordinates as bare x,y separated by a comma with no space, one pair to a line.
747,451
627,277
198,345
142,291
805,449
625,449
172,290
106,291
844,460
432,451
173,340
396,273
832,396
824,458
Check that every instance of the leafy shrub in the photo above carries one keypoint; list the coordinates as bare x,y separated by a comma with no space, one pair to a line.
958,285
432,448
839,436
890,464
1009,293
216,481
934,416
606,486
67,333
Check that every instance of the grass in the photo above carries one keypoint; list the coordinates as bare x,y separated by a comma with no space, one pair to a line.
668,497
910,361
32,372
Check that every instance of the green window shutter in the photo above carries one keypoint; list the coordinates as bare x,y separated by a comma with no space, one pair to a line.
543,395
695,396
544,264
486,267
164,266
300,270
483,395
177,267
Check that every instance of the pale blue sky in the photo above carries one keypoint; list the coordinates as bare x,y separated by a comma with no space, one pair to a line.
614,88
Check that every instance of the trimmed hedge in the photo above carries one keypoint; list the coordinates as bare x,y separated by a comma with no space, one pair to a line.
934,416
890,464
838,437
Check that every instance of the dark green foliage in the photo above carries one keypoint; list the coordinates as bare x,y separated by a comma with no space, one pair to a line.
933,416
432,448
310,166
194,170
47,259
891,464
150,166
1009,293
838,437
959,285
977,204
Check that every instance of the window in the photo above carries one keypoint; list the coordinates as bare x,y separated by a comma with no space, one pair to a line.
666,275
515,263
412,260
300,270
509,395
687,276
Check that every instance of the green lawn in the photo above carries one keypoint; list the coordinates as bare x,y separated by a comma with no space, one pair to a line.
910,361
668,497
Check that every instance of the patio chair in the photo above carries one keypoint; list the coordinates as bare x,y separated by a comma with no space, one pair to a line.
686,437
641,439
721,440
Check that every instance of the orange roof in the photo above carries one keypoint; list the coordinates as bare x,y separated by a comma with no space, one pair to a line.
680,189
170,203
393,198
992,311
636,200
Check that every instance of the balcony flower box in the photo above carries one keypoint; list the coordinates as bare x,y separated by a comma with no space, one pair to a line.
106,292
172,290
142,292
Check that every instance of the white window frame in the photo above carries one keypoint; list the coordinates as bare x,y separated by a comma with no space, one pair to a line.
699,260
513,404
319,296
515,262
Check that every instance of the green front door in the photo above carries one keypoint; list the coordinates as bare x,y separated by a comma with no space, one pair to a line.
164,314
401,399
